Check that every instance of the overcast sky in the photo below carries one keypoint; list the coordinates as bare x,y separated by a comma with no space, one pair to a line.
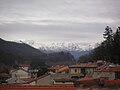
47,21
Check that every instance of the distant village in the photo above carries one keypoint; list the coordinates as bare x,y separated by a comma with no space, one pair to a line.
90,74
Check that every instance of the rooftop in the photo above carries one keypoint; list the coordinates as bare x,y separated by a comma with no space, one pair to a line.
24,65
109,69
62,69
85,65
43,87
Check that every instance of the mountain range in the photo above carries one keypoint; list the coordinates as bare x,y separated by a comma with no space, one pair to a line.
14,52
76,49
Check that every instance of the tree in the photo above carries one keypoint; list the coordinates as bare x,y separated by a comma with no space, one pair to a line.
109,49
108,34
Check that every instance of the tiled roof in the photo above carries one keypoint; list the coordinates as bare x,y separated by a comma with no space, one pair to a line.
88,81
29,80
85,79
4,75
19,69
44,87
110,69
55,67
24,65
65,68
89,65
112,82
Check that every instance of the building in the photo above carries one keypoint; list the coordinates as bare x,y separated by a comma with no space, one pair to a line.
55,69
24,66
16,76
42,80
63,70
20,73
110,72
86,69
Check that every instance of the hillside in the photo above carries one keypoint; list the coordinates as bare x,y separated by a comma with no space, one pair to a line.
12,51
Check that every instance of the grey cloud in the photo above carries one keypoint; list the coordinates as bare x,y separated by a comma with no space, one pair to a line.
58,20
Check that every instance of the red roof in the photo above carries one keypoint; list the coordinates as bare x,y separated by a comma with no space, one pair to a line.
4,75
110,69
85,65
24,65
112,82
62,69
88,81
55,67
43,87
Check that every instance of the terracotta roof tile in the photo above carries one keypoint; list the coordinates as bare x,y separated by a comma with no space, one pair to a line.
55,67
24,65
110,69
89,65
87,81
112,82
44,87
65,68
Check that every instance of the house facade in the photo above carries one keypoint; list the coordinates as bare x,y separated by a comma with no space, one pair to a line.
24,66
109,73
20,74
42,80
83,68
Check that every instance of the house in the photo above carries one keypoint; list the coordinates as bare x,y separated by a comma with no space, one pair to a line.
83,68
110,72
33,73
16,76
15,80
54,69
24,66
20,73
63,70
42,80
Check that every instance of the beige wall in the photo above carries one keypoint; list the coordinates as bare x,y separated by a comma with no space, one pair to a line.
75,70
25,68
90,71
44,81
78,70
109,75
20,74
32,83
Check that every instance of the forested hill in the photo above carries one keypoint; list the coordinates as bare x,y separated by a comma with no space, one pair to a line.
109,49
12,51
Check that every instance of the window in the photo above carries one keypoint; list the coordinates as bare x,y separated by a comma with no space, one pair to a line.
117,75
75,70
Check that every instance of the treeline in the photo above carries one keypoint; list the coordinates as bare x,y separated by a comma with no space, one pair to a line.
108,50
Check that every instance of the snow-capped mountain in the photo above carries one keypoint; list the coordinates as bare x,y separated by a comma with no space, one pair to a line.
76,49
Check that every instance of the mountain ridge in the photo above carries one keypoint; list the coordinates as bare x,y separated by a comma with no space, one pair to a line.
10,52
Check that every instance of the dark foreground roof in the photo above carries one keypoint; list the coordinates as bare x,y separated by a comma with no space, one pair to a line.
43,87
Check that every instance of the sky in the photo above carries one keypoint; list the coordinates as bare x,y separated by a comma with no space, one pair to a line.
48,21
